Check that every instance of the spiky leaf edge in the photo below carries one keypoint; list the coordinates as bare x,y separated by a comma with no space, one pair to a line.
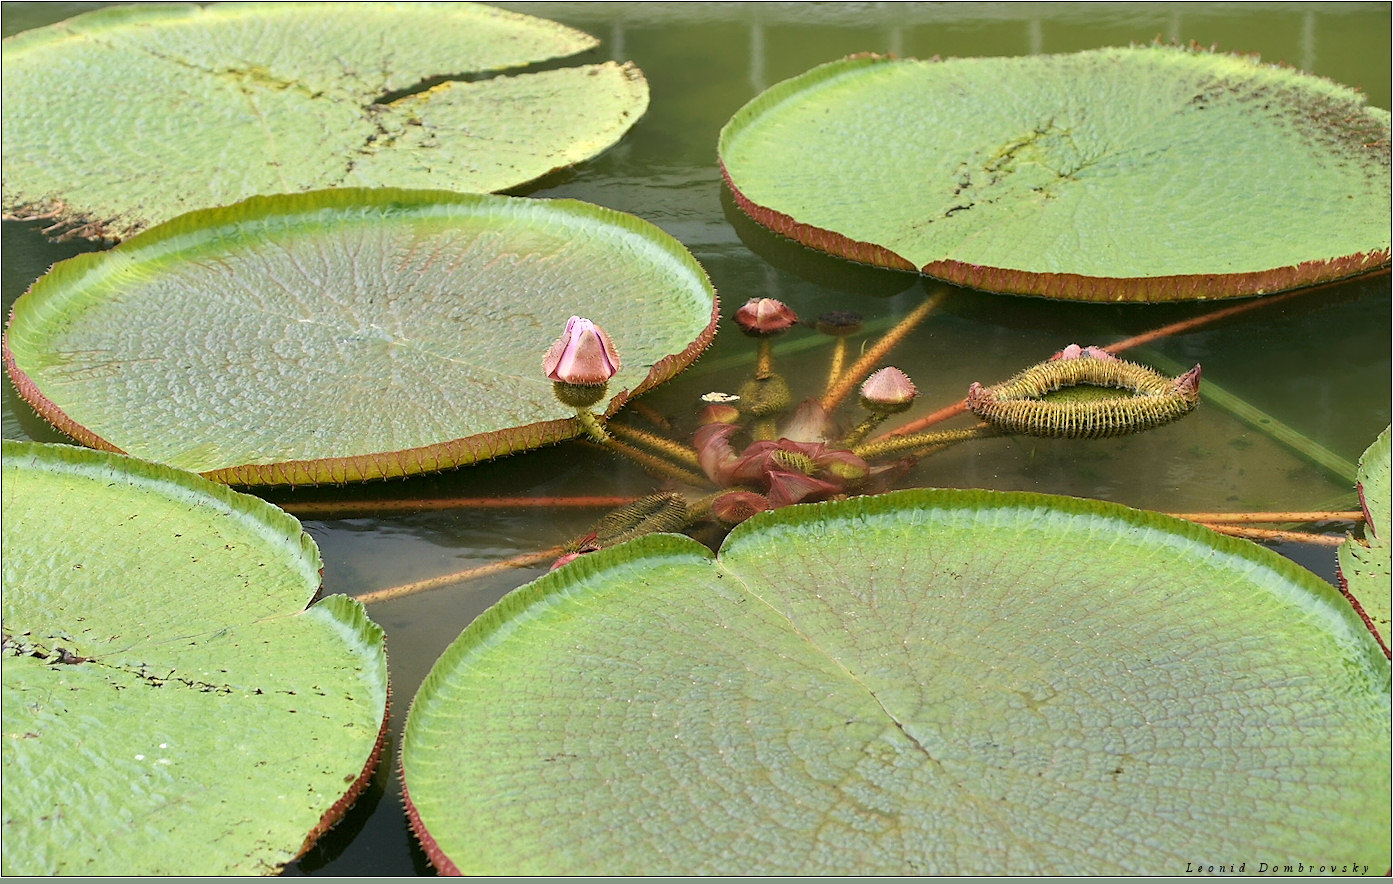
71,224
346,610
1060,286
374,465
493,625
1370,526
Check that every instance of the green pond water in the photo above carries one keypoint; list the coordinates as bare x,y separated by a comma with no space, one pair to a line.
1316,367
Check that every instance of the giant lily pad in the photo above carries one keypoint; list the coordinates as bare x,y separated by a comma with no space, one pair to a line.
121,118
1365,567
1150,173
926,681
349,334
170,704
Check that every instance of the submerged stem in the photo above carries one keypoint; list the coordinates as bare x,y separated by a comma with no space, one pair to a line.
348,509
1184,325
764,358
1246,518
862,367
896,444
419,586
683,454
1273,534
838,360
653,462
861,430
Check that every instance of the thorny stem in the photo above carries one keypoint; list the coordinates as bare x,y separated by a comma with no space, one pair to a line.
764,359
872,357
1273,534
838,360
347,509
1245,518
701,507
592,426
653,462
1198,321
927,421
1184,325
859,432
683,454
522,561
896,444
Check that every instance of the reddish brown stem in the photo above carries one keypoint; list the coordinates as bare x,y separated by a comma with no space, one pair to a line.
1245,518
1273,534
405,589
959,407
862,367
344,509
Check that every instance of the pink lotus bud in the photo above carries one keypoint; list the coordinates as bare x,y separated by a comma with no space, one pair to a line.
583,355
765,316
888,391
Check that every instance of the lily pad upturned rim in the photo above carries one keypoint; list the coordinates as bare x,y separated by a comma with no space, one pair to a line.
484,640
340,613
1064,286
532,40
168,238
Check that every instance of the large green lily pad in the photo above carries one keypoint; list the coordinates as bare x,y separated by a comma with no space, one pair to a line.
1150,173
170,704
922,682
349,334
125,117
1365,567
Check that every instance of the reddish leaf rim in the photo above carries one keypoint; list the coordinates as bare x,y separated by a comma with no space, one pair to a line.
369,466
1069,286
1060,286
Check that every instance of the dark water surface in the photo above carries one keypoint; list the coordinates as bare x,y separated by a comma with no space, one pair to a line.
1318,365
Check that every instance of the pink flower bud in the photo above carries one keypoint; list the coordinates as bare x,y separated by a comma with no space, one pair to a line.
765,316
888,390
583,355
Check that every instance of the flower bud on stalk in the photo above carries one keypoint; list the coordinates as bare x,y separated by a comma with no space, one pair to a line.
762,318
886,392
580,363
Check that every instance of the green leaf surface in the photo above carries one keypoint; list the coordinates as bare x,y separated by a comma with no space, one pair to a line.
922,682
349,334
1150,173
170,705
121,118
1366,568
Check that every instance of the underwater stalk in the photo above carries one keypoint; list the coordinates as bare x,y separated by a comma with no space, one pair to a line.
862,367
522,561
838,324
682,454
889,445
349,509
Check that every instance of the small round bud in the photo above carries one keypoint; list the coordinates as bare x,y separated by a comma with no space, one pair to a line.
765,316
888,391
